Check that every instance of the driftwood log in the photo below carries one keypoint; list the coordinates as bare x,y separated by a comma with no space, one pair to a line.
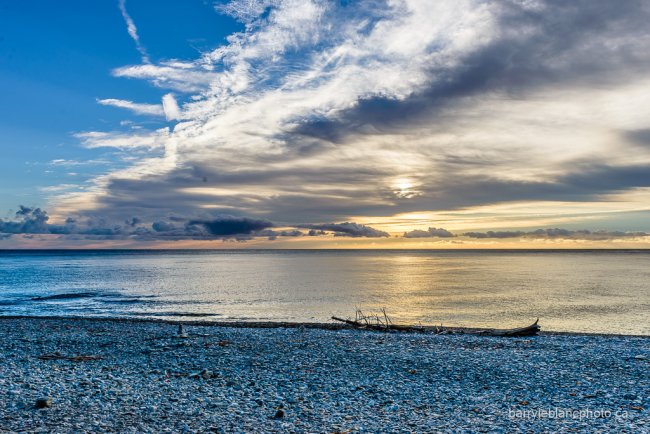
530,330
382,327
78,358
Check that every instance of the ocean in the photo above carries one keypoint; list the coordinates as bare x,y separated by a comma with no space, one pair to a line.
603,291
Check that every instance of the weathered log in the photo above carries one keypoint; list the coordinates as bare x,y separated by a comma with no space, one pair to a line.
77,358
358,324
530,330
384,327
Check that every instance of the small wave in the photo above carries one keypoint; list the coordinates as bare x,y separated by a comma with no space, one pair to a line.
65,296
129,300
104,297
189,314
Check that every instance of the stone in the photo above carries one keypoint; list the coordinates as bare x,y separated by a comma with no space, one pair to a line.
45,402
181,332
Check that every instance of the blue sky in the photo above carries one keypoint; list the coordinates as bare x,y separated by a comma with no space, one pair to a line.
56,60
310,123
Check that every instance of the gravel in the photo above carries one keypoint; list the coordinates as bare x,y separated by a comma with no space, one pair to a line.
146,378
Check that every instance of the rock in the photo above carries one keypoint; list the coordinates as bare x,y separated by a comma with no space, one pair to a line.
206,374
45,402
181,332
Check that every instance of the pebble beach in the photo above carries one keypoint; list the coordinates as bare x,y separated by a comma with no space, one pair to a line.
92,375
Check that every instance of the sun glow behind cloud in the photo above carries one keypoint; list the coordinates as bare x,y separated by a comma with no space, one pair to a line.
398,115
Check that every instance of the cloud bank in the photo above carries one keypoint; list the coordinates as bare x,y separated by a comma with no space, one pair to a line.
556,233
345,229
429,233
342,111
221,227
30,221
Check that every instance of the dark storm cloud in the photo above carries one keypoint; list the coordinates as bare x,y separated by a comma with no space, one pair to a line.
557,233
163,226
230,225
35,221
133,222
429,233
348,229
31,221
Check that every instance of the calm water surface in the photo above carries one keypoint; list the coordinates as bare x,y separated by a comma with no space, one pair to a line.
591,291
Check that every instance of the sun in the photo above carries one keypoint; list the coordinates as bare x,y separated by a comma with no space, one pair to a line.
404,188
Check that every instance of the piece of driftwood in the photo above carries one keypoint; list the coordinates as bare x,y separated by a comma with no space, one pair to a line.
376,321
77,358
383,323
382,326
530,330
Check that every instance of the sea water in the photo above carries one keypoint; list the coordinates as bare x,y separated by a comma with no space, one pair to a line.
581,291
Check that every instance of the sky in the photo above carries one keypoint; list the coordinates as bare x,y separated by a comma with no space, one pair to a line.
325,124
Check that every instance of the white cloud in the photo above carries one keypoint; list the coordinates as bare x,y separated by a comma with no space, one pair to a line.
138,108
100,139
73,163
133,31
171,109
182,78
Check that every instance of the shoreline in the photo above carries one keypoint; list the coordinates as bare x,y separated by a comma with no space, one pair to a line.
428,329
